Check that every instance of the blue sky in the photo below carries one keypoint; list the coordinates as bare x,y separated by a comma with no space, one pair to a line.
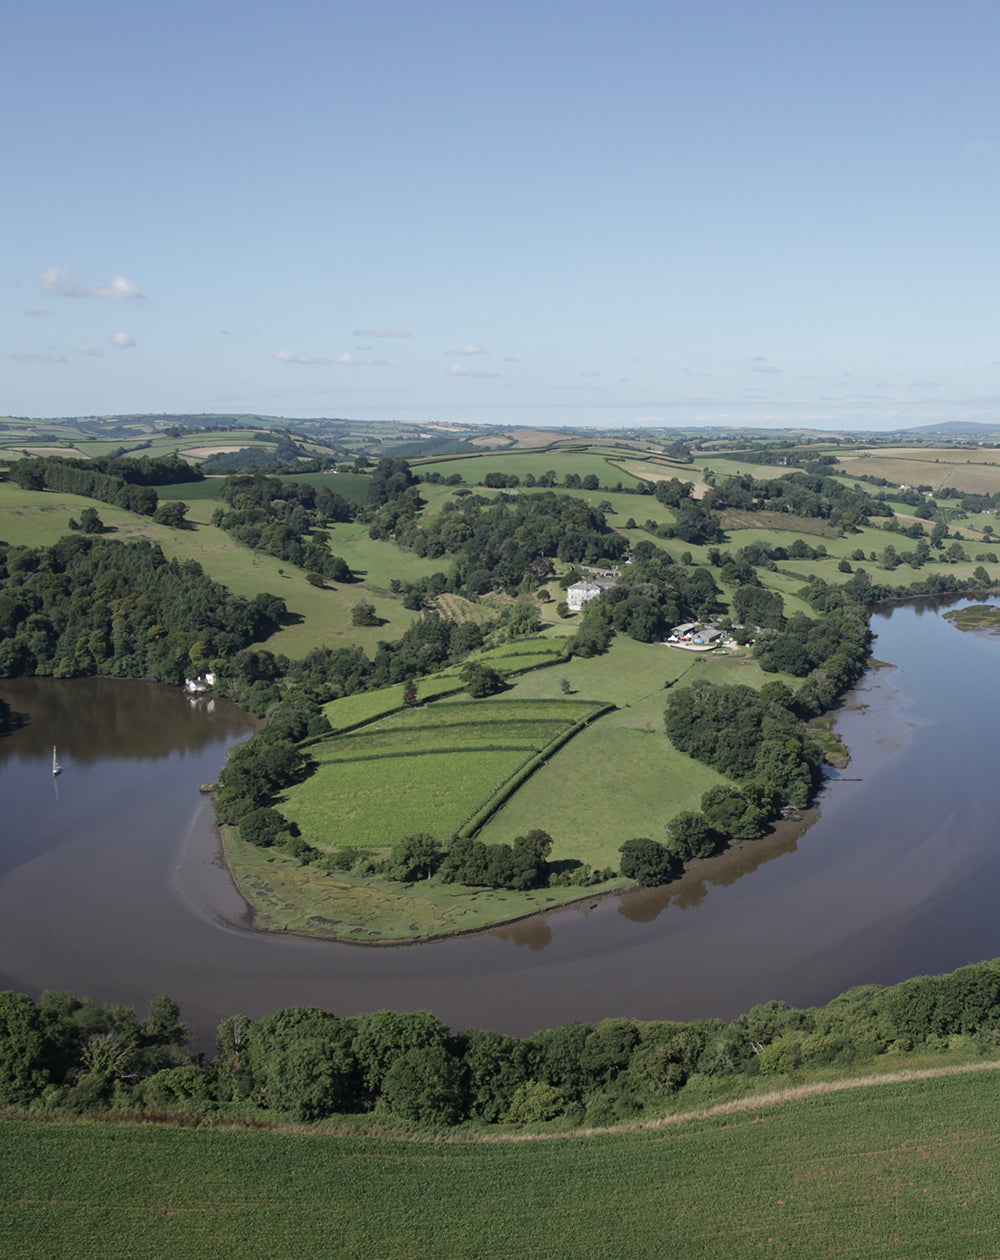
712,212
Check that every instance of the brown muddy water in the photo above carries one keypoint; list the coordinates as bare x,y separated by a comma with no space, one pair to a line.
110,884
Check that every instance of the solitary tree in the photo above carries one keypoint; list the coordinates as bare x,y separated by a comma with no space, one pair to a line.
481,680
364,614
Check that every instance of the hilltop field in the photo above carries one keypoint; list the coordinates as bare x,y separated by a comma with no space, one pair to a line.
573,743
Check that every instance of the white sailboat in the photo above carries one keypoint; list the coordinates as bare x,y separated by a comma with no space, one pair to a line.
56,767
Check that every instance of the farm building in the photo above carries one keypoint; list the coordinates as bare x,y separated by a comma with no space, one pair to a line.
695,634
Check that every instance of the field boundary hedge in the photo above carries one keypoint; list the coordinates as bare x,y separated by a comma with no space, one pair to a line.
502,794
561,658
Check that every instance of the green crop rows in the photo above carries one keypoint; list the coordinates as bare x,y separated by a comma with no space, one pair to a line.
897,1170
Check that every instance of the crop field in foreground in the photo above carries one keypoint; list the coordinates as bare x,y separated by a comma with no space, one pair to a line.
908,1169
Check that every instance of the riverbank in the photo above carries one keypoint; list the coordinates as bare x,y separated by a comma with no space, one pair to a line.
278,895
287,897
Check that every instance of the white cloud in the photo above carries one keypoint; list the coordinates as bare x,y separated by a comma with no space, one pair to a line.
289,356
472,348
117,287
36,314
122,340
381,331
458,370
93,351
60,282
348,360
760,363
594,373
51,356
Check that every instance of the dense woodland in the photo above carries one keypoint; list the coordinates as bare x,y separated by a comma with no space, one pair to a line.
69,1055
498,543
89,605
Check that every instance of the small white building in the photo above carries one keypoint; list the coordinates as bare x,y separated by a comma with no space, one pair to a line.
197,685
581,593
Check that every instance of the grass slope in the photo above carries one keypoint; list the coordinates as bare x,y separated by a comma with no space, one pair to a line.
906,1169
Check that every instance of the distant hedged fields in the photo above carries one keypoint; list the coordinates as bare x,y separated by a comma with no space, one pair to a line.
66,1055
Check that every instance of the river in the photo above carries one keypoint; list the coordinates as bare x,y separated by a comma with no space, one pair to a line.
110,884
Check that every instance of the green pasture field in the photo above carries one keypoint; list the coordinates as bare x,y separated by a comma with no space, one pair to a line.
32,518
473,468
426,769
352,486
366,706
731,466
620,778
610,784
39,447
899,1169
587,813
195,492
651,468
377,562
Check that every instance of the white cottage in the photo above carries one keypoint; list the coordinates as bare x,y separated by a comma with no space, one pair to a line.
581,593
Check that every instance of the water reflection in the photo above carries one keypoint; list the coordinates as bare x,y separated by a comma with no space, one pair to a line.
103,717
535,933
646,904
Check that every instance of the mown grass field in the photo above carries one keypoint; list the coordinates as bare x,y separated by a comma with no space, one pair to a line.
426,769
906,1169
473,468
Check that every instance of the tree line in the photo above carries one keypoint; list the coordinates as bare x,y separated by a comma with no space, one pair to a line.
123,482
495,544
68,1055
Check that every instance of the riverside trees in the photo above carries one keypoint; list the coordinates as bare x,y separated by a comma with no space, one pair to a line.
68,1055
754,737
